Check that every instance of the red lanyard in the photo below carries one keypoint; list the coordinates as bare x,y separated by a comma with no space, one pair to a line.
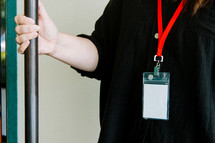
163,35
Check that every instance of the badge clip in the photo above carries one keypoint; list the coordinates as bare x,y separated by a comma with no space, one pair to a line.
157,67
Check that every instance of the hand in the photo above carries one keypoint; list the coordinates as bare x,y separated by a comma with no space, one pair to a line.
46,32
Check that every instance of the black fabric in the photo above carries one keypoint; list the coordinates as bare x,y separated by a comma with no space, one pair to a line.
124,36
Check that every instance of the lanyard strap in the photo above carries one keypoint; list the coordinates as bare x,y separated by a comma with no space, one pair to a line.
163,35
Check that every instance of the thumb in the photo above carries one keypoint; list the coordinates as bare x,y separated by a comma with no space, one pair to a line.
42,11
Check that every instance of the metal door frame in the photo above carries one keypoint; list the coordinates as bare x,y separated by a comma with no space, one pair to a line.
11,73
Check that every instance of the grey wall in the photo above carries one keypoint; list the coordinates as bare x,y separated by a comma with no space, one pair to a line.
68,103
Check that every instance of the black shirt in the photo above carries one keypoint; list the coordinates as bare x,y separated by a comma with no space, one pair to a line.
124,36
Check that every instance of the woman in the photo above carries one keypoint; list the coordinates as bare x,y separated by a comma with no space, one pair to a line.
122,48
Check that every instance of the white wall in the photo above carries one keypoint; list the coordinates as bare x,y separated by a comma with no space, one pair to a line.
68,103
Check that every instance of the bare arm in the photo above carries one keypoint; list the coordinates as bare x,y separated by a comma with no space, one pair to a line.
78,52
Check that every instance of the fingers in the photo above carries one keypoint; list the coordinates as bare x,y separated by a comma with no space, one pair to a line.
23,47
24,29
25,37
23,20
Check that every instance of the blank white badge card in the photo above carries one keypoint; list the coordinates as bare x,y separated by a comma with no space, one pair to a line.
156,98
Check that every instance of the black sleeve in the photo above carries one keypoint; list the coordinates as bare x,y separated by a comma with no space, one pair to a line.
105,38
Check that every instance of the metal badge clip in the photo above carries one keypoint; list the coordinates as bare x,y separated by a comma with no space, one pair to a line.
160,60
157,67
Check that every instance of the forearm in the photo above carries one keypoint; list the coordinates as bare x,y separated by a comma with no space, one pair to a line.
78,52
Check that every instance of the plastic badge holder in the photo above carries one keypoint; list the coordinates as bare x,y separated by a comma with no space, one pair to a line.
156,95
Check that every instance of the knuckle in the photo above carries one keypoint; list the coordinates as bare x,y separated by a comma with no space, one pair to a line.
26,20
17,40
18,19
17,29
23,46
20,39
20,50
23,38
15,19
23,20
29,28
23,29
29,20
32,35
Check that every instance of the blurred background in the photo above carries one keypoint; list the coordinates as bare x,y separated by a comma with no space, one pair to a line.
2,73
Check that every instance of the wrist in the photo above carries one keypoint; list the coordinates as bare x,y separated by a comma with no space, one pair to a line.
53,48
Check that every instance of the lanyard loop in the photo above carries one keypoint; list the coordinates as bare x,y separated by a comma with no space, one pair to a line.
163,35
